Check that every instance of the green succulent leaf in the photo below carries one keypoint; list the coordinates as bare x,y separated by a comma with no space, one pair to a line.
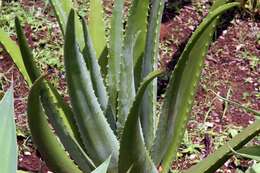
90,57
55,112
149,65
13,50
134,43
26,53
8,144
44,138
126,91
137,22
97,27
97,136
133,153
103,167
181,90
115,52
58,112
62,9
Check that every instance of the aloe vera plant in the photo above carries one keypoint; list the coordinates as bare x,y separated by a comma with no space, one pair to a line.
113,93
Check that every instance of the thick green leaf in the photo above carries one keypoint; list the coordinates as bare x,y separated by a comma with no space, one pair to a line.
8,145
59,114
137,22
35,73
55,112
100,141
90,57
26,53
97,27
13,50
181,91
126,91
133,48
149,65
220,156
103,167
62,9
115,52
96,76
133,153
43,137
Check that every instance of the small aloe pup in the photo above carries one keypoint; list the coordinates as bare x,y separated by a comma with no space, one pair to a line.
113,93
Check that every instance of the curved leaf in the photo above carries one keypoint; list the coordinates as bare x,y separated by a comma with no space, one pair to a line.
45,140
133,153
103,167
181,91
35,73
60,117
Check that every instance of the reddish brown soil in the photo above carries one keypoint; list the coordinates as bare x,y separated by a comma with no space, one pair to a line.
224,70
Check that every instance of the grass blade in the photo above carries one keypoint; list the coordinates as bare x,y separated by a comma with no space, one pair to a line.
34,73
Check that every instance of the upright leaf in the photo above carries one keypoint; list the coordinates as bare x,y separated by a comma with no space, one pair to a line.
115,52
137,22
97,27
8,145
62,9
181,91
96,134
149,65
133,48
34,73
58,112
13,50
90,57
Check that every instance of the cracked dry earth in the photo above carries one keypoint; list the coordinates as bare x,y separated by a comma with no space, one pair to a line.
231,70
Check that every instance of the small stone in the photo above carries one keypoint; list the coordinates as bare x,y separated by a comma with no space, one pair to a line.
27,153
